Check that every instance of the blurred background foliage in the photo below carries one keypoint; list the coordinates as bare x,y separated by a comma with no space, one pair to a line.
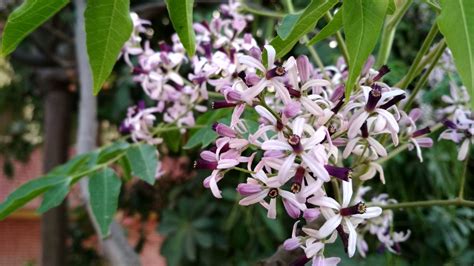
201,230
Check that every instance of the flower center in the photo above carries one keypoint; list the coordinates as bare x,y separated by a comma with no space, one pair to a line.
295,187
294,141
298,179
275,72
273,193
374,96
280,71
359,208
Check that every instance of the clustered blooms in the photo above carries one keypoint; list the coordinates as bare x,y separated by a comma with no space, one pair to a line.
459,121
313,145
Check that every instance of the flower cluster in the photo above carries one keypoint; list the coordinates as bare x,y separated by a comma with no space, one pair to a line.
311,138
176,94
459,121
303,139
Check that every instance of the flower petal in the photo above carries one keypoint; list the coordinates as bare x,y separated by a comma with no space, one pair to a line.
370,212
254,198
325,202
330,225
352,238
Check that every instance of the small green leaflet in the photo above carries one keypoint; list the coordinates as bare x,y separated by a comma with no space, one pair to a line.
108,27
55,195
362,20
391,7
112,151
331,28
143,161
104,190
27,192
306,23
287,25
25,19
202,138
181,15
456,23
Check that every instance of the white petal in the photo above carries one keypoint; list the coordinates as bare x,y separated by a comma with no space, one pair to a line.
390,119
227,163
316,138
325,202
317,168
357,124
371,212
284,173
263,112
350,147
346,193
312,249
330,225
214,188
315,82
352,238
377,146
249,94
463,150
276,145
251,62
270,55
297,126
272,209
252,199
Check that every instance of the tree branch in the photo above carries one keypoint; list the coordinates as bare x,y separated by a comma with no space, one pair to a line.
115,247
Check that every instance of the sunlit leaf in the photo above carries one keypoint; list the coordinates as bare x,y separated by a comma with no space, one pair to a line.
25,19
306,23
287,25
27,192
104,189
108,27
456,23
362,20
55,195
181,15
331,28
143,161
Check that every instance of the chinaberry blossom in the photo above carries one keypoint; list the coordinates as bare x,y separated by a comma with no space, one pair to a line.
290,128
349,214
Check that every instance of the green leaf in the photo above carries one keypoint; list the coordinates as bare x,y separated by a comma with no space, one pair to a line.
172,139
143,161
205,136
25,19
456,23
55,195
306,23
27,192
202,138
108,27
126,168
331,28
75,165
104,189
391,7
362,20
287,25
181,15
112,151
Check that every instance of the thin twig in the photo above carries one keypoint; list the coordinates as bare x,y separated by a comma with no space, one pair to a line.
425,76
463,177
429,203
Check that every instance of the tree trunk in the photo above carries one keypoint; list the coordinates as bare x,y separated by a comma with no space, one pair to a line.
115,247
57,110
